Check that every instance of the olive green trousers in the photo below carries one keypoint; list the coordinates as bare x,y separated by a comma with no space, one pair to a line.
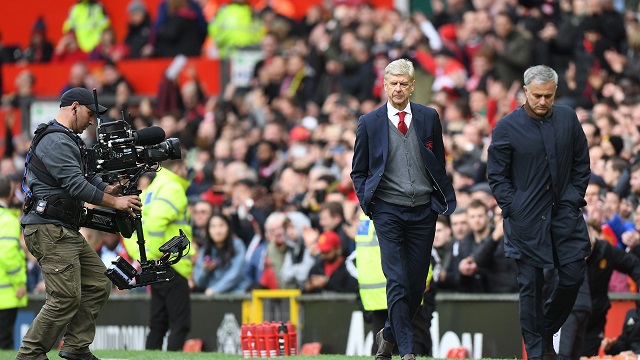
76,290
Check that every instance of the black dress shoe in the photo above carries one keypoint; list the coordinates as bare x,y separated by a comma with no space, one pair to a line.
71,356
385,348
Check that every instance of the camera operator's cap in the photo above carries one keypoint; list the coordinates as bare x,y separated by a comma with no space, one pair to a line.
328,241
83,97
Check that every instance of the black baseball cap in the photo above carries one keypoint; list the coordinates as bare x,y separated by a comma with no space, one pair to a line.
83,97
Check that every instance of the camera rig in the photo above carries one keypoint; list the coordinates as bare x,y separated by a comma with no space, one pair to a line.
122,155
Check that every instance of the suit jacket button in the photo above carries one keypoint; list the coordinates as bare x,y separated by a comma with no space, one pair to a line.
544,217
380,174
371,190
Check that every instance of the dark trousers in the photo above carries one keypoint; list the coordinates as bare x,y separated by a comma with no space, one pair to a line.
594,332
7,322
541,316
170,310
405,235
421,324
572,335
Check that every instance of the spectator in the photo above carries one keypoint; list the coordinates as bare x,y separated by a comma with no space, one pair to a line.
112,78
78,74
299,81
291,186
301,252
266,262
469,277
329,272
67,49
459,230
359,82
247,209
604,259
180,29
20,100
108,49
87,19
201,211
270,46
500,272
139,30
443,245
628,343
221,267
268,163
512,48
332,219
40,48
111,246
234,27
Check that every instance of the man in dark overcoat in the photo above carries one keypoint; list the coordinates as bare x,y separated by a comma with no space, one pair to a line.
538,169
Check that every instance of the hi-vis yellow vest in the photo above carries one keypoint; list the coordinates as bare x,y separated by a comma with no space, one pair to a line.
13,272
371,279
164,213
372,282
88,20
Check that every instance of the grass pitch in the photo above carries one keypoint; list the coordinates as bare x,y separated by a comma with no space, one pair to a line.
164,355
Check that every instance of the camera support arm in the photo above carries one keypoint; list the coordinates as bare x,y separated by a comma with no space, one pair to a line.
125,276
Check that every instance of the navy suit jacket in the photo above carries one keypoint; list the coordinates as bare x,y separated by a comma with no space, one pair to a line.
372,146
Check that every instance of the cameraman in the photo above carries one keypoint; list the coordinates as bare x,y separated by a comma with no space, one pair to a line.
73,272
164,214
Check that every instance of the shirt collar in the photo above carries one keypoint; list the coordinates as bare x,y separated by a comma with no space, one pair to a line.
393,111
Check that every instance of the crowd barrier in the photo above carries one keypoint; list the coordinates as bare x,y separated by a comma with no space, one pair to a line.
485,325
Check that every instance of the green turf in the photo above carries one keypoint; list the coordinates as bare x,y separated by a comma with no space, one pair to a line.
162,355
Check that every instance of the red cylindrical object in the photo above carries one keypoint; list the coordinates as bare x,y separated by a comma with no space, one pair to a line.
261,341
271,339
245,342
293,339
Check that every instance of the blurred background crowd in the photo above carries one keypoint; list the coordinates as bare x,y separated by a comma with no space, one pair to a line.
271,200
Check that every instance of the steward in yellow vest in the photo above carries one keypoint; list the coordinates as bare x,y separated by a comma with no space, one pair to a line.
13,272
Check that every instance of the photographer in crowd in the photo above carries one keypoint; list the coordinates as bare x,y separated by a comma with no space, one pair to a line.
73,272
164,215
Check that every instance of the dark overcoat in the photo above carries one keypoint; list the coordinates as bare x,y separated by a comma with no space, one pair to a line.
538,170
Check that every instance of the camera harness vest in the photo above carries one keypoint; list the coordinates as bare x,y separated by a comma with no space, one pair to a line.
34,164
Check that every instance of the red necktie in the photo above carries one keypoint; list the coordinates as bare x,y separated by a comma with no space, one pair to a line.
402,126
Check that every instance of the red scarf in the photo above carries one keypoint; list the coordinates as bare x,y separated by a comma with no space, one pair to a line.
329,268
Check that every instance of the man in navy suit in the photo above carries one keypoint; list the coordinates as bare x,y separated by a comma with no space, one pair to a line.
400,179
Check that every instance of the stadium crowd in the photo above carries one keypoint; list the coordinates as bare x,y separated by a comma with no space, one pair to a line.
271,201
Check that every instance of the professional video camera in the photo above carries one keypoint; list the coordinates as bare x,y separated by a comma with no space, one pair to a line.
122,155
